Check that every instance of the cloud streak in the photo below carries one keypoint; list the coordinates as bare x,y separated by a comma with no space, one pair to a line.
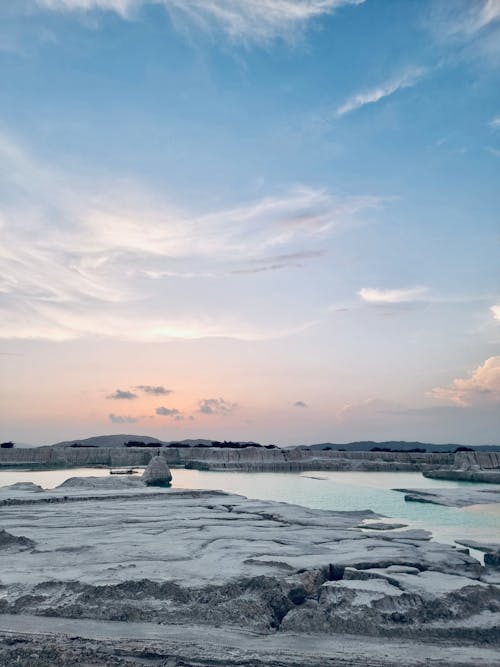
473,25
168,412
380,92
476,16
243,20
74,259
391,296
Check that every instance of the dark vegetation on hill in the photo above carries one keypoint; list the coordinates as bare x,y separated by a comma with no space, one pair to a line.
418,450
115,440
398,446
226,444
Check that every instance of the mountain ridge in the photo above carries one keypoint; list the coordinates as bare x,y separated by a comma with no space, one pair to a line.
118,440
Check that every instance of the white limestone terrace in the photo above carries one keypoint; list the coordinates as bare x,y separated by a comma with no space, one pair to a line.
116,550
213,458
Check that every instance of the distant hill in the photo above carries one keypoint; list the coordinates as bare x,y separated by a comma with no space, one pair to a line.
122,439
361,446
108,441
393,445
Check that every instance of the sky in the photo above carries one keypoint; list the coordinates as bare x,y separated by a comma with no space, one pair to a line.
270,220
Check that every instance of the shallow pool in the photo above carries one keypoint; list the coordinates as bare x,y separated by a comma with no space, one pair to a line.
323,490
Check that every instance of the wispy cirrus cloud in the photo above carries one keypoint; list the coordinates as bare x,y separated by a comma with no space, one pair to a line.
247,20
472,25
470,17
381,91
81,261
294,260
489,12
395,295
495,122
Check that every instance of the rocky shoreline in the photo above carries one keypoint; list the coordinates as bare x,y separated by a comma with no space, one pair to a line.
458,497
465,466
477,475
252,459
122,553
471,467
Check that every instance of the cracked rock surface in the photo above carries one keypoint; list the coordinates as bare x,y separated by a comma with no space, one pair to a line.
173,558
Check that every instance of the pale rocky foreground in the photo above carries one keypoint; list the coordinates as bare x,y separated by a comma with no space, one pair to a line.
208,578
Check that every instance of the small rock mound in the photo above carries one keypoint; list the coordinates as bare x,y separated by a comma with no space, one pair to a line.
157,472
8,541
23,486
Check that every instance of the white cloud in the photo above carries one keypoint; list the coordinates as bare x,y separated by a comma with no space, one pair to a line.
476,16
489,13
154,390
481,387
496,311
216,406
122,419
122,395
74,259
168,412
399,295
122,7
239,233
373,95
473,25
248,20
495,122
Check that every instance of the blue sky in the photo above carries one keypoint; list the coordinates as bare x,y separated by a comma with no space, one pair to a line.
287,208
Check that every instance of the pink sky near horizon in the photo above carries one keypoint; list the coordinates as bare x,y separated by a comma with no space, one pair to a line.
60,391
289,219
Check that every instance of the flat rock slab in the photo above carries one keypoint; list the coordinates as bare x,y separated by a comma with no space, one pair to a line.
189,537
208,558
380,525
455,497
485,547
470,475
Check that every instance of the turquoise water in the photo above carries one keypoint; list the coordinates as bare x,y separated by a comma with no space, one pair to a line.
357,491
324,490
